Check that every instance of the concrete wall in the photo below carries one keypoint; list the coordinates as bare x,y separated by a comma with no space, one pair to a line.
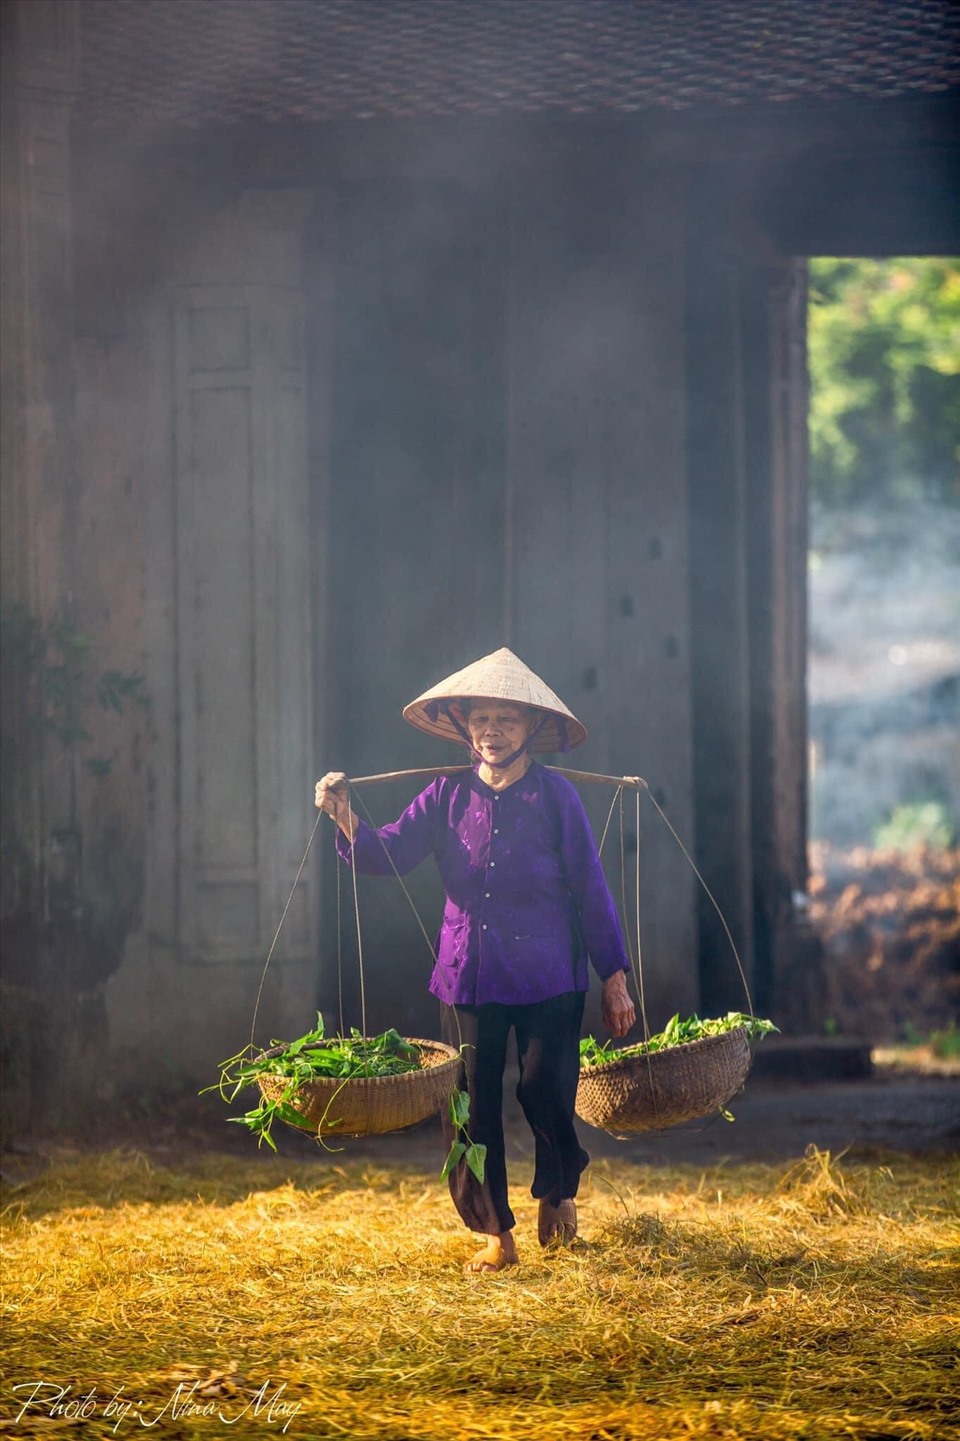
156,532
326,429
227,645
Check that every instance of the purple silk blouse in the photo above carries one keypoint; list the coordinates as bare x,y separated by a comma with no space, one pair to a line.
527,901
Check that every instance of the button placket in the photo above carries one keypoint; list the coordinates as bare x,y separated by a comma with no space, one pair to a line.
486,894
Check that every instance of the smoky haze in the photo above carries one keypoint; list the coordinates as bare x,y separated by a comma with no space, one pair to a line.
884,666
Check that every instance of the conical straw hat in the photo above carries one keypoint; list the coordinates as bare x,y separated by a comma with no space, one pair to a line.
499,676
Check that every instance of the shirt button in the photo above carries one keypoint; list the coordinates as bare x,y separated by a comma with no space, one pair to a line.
492,864
486,895
484,925
495,831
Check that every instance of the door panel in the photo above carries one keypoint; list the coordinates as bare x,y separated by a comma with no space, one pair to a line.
243,625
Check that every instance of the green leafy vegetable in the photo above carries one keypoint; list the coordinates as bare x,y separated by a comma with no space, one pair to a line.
457,1150
308,1058
476,1154
674,1033
342,1058
477,1160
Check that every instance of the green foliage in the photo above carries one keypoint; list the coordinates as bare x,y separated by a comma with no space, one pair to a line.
476,1155
674,1033
945,1043
917,826
343,1058
54,662
308,1058
884,355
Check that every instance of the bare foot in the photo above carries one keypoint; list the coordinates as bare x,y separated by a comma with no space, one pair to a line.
557,1225
499,1252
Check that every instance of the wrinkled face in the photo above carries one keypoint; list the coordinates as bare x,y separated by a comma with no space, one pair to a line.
498,728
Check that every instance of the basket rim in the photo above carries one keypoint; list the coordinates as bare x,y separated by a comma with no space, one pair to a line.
614,1067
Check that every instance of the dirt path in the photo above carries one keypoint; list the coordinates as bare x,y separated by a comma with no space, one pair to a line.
907,1113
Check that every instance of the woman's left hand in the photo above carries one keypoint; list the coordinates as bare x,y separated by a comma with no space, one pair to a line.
616,1008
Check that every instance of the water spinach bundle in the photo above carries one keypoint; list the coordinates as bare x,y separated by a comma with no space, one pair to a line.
310,1057
674,1033
339,1059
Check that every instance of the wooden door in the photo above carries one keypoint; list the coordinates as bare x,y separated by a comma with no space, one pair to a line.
243,622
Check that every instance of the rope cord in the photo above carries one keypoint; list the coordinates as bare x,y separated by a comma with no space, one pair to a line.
276,935
410,900
623,882
643,1007
712,898
373,825
636,966
607,824
356,912
339,936
636,963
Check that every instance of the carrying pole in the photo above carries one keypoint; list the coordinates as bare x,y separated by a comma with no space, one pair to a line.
636,782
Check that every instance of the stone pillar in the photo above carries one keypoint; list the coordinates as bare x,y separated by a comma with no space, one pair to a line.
790,976
40,50
41,848
720,523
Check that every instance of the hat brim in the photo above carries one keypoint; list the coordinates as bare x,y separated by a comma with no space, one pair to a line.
499,677
549,740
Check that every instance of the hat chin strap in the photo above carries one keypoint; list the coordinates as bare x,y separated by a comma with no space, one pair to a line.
461,730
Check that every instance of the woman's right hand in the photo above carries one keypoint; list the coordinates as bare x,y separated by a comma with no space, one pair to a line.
332,795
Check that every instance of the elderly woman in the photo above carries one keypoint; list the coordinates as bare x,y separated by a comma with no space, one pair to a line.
527,906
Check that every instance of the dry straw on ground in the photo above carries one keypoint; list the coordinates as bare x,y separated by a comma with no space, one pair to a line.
229,1298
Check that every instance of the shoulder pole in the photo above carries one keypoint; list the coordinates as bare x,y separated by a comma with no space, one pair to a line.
589,777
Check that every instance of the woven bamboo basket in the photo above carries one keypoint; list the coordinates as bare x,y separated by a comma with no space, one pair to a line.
664,1088
371,1105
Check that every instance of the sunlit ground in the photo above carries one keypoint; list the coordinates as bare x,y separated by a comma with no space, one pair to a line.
314,1299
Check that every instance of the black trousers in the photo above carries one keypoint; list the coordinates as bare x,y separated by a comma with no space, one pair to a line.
548,1053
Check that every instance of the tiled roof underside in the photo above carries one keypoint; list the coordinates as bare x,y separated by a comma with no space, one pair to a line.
150,64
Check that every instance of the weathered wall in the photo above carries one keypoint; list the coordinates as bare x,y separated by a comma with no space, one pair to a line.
598,470
296,431
494,350
60,940
155,499
227,642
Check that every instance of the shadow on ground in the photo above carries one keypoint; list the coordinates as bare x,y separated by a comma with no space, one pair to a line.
889,1111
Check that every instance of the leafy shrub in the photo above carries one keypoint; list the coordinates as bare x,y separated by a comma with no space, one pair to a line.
916,826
